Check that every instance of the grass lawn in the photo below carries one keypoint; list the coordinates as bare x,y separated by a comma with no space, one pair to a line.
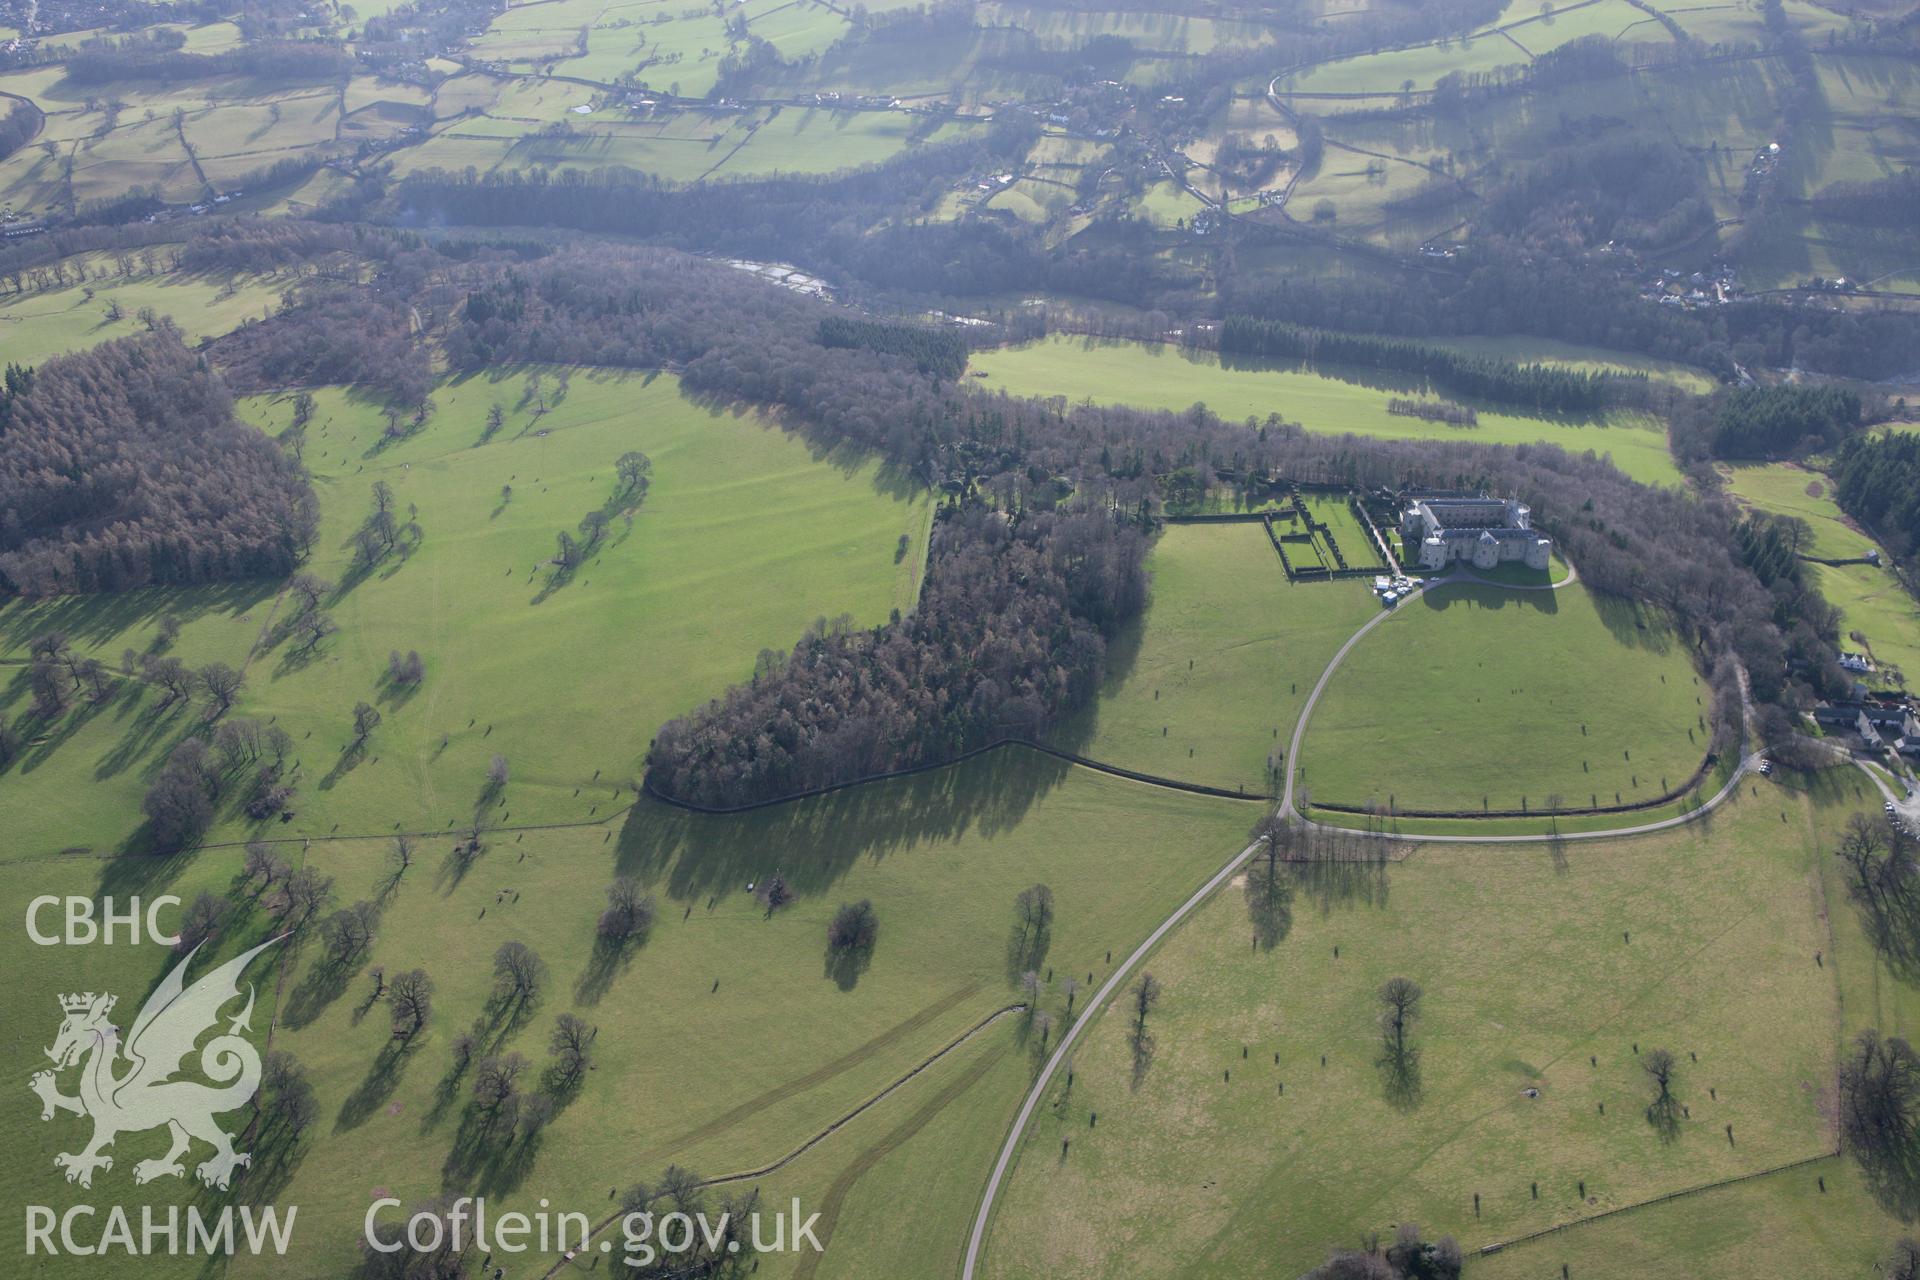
1207,686
941,857
744,539
1357,547
1539,972
1870,599
1176,378
1486,697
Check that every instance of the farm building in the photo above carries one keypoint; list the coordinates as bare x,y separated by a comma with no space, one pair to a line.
1481,530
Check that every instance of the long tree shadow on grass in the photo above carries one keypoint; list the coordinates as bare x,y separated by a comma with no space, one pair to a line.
1893,1177
326,980
1400,1080
813,843
1027,946
98,619
382,1078
607,961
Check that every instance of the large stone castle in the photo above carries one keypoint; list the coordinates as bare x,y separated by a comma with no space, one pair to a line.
1480,530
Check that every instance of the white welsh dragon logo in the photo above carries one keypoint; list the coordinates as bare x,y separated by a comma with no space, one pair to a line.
145,1095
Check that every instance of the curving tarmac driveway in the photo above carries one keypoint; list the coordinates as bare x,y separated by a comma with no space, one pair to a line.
1121,972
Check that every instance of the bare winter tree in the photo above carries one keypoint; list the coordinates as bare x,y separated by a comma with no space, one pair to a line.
571,1046
635,470
1662,1112
222,685
366,718
629,912
411,999
1880,1099
201,921
348,932
517,973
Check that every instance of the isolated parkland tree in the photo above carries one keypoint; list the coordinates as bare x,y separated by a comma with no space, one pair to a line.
629,912
854,927
1034,909
571,1045
222,684
348,932
366,718
635,470
517,973
410,997
1399,1007
1880,1099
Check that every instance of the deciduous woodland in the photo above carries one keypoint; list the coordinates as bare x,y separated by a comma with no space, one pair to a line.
124,466
1009,637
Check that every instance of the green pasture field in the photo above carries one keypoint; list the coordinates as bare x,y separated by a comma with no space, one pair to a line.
1206,686
681,159
1487,697
538,98
301,201
1742,21
1870,599
1360,188
466,92
38,325
147,154
211,37
1025,200
1058,151
941,856
740,518
1722,112
811,140
1818,1219
1860,132
245,138
1789,489
239,126
1156,32
1542,969
1572,355
1389,71
1165,204
1799,248
797,28
367,91
1176,378
453,148
928,65
1615,19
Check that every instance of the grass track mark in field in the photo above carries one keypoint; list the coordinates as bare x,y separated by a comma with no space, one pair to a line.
780,1093
836,1196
